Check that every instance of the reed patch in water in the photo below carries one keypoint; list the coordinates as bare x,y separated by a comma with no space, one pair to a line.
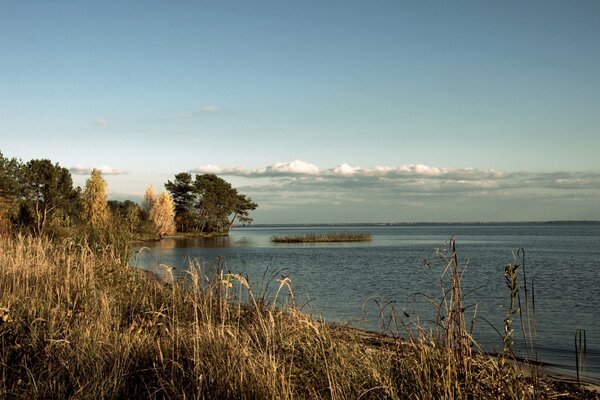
329,237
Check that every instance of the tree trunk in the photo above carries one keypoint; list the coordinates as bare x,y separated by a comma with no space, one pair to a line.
38,216
231,222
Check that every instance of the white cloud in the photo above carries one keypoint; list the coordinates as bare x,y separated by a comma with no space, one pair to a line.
207,169
101,122
108,170
293,168
105,169
215,169
303,176
296,167
209,109
345,170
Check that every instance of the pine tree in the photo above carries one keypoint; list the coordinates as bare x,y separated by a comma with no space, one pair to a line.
208,204
162,214
95,205
185,197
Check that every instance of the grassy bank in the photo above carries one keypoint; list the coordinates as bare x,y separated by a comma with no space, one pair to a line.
77,323
323,237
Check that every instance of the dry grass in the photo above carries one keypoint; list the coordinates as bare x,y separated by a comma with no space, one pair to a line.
77,323
329,237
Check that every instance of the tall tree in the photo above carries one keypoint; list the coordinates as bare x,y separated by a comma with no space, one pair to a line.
241,210
208,203
46,188
162,214
9,189
217,199
9,173
149,199
95,206
185,196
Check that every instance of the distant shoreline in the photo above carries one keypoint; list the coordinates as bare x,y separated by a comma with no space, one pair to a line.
375,224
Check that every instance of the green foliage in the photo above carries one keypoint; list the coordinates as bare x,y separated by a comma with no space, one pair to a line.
9,177
242,209
46,189
38,196
9,191
126,213
216,200
184,196
208,203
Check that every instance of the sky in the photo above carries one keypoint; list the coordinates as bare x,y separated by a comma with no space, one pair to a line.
320,111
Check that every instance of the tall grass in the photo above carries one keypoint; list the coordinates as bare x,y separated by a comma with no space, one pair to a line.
454,361
76,322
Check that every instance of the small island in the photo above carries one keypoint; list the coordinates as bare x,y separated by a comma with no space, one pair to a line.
329,237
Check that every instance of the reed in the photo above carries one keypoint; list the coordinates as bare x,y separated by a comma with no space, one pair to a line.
76,322
329,237
580,354
448,357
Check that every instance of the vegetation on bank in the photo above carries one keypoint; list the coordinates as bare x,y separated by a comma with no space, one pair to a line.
328,237
78,323
38,197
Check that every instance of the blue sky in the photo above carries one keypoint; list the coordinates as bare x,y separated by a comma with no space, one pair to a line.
347,111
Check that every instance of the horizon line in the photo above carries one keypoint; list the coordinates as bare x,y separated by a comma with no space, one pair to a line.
323,224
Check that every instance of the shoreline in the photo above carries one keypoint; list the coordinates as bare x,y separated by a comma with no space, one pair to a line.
550,380
420,223
559,373
545,372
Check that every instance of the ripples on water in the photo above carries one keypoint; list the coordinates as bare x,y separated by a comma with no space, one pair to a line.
335,279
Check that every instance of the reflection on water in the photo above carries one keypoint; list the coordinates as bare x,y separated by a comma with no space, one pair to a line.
184,243
336,279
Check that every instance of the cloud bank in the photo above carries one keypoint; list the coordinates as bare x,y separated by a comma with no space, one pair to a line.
302,192
406,178
299,191
105,169
302,168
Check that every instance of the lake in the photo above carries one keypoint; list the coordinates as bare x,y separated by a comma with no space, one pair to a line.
339,281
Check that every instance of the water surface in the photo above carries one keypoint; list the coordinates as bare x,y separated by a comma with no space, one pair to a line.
336,280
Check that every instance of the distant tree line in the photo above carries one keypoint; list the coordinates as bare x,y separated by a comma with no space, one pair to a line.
38,196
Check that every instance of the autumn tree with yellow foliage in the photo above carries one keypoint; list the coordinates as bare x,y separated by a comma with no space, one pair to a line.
149,199
162,214
95,202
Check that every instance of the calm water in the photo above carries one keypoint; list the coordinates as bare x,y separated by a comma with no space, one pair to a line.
335,280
